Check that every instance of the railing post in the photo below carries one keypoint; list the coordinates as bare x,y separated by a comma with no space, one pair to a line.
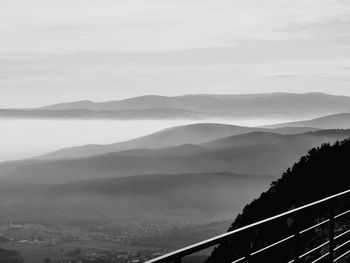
247,252
331,234
248,247
296,240
296,253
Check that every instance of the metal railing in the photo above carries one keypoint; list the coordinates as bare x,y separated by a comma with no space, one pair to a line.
332,249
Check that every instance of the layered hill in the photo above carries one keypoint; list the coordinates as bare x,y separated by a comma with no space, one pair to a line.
176,136
256,153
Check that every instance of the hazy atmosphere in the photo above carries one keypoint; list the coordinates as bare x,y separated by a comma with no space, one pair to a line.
132,128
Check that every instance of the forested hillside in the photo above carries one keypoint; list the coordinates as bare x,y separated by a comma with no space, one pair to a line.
321,173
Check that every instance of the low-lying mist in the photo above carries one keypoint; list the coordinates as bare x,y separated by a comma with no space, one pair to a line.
189,197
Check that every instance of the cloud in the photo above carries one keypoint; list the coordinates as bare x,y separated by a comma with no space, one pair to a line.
155,25
245,52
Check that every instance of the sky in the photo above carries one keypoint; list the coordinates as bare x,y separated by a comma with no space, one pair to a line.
64,50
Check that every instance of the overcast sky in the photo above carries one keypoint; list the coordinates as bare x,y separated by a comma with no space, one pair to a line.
64,50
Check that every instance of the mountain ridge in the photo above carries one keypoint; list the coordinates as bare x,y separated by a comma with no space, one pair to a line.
240,157
174,136
222,96
268,105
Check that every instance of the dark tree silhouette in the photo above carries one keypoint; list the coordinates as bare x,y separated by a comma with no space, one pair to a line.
322,172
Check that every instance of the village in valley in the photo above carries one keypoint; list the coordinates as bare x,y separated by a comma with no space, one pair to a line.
36,243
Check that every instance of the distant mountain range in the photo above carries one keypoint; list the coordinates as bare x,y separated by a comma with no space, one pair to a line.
201,133
191,171
269,105
176,136
205,181
257,153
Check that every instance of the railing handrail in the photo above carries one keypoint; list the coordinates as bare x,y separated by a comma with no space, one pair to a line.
220,238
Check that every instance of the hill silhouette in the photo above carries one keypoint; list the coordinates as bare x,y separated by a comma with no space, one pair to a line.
324,171
244,154
175,136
